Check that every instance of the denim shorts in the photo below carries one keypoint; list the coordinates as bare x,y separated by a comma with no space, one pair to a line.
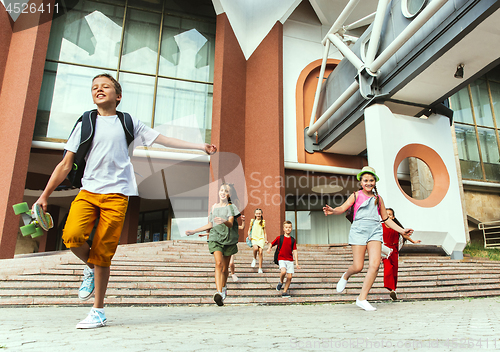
364,231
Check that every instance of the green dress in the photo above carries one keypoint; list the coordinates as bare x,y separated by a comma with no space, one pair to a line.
221,233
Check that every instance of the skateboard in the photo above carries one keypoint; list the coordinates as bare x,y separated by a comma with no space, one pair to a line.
35,219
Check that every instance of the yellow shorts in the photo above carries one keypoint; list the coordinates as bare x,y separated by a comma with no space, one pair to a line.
82,215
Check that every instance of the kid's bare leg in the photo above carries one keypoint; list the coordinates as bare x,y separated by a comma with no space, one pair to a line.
219,268
358,260
83,252
374,248
231,265
255,250
225,270
288,281
260,258
101,278
282,274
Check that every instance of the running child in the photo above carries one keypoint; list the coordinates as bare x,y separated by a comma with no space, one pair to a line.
366,232
107,182
257,233
223,237
392,240
286,255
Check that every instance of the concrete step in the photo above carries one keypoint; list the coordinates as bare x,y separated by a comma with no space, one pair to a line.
181,272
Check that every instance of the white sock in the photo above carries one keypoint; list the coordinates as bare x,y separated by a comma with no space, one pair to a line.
100,310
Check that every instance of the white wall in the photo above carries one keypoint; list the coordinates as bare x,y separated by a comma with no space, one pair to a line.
301,46
386,134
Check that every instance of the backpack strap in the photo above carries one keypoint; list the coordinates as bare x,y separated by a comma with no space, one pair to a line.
128,125
281,242
87,120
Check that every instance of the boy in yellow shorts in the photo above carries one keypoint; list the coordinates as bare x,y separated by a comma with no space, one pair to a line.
108,180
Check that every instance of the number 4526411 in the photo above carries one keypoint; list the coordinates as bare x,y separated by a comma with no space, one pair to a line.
17,7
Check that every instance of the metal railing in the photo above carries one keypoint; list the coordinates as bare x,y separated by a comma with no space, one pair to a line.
372,62
491,233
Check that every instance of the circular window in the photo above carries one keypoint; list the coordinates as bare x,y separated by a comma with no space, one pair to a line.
418,183
411,8
437,169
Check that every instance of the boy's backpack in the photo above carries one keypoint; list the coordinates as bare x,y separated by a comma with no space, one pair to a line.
88,120
282,237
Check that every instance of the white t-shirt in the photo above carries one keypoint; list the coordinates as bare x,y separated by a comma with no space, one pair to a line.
108,169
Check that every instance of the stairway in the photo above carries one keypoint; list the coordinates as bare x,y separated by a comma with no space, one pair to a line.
181,272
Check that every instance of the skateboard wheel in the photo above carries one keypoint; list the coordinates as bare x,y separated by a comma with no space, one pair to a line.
38,233
28,229
21,208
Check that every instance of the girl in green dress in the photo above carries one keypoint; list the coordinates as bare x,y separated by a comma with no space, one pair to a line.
223,237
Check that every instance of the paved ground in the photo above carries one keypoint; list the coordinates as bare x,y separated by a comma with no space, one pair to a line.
401,326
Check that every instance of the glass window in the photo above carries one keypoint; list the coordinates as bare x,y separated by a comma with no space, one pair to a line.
140,42
88,41
460,103
495,97
476,127
468,152
138,96
89,36
481,101
489,153
184,109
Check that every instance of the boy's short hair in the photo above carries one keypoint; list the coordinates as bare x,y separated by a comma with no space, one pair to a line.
287,222
116,84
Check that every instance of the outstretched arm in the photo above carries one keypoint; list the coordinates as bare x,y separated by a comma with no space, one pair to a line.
58,175
200,229
328,210
389,222
170,142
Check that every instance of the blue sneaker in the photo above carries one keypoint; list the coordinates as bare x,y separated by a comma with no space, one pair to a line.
87,287
95,319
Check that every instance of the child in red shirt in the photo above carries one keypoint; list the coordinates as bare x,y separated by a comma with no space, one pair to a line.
287,253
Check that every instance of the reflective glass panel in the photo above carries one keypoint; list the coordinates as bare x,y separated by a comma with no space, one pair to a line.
490,153
187,49
460,104
184,110
468,152
481,101
140,42
88,35
495,97
138,96
71,97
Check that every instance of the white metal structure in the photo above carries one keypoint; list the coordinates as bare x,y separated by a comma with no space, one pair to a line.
372,64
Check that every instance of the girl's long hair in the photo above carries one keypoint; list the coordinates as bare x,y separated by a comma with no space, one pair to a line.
261,217
233,196
396,221
375,192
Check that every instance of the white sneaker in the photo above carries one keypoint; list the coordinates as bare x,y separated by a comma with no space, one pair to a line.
95,319
253,263
365,305
235,278
260,271
341,284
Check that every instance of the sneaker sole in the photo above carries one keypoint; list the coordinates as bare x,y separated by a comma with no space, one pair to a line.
78,326
393,295
88,297
218,299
